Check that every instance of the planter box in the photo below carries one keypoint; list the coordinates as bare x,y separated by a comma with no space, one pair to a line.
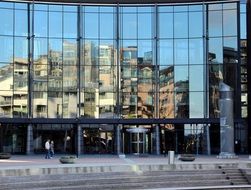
67,159
187,157
5,155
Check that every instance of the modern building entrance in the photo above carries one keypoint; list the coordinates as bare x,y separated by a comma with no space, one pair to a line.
137,140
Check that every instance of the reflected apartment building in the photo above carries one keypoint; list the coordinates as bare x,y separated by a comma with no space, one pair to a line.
121,78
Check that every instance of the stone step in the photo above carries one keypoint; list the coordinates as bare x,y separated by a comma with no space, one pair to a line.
114,184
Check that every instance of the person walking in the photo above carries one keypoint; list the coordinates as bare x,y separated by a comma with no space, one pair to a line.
47,149
52,149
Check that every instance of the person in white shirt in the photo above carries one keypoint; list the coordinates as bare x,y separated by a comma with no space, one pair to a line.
47,149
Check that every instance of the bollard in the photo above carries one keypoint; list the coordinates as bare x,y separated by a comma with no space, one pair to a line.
170,157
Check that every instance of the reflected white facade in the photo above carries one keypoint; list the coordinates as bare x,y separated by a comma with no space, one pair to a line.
90,72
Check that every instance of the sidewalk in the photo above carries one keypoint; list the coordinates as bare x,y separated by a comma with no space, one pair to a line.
110,160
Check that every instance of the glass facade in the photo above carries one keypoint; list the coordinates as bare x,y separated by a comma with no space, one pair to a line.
88,62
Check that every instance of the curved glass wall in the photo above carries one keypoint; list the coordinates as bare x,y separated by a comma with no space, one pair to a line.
149,61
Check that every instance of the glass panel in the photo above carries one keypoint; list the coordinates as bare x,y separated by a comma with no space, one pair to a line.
70,8
195,24
70,78
105,9
55,104
145,105
166,25
216,75
145,25
229,5
107,26
55,24
91,9
40,50
70,101
20,76
40,24
180,8
106,104
165,8
40,7
21,23
196,51
129,26
40,104
40,77
145,52
6,74
55,7
166,52
129,105
215,50
215,6
21,50
6,5
196,78
89,52
196,105
20,104
230,23
70,25
166,99
181,104
181,52
91,77
6,22
195,7
181,78
70,52
215,23
90,105
91,25
6,49
180,25
6,103
243,25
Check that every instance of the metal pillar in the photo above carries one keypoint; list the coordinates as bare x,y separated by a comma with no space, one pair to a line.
226,121
29,145
157,140
80,140
118,140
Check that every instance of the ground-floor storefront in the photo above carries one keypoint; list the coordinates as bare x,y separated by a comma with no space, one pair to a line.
117,138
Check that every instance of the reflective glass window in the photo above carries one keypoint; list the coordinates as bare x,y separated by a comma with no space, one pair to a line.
70,25
166,52
70,78
196,78
196,105
180,52
129,26
165,25
181,77
40,50
195,24
40,24
55,24
145,53
106,26
230,22
91,25
196,51
21,50
215,50
6,49
55,7
215,23
70,52
6,5
6,22
145,25
70,104
180,25
21,23
243,26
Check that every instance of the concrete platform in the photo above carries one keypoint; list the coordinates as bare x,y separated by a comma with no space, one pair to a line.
20,165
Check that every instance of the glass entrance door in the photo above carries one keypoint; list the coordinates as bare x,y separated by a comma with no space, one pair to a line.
138,143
